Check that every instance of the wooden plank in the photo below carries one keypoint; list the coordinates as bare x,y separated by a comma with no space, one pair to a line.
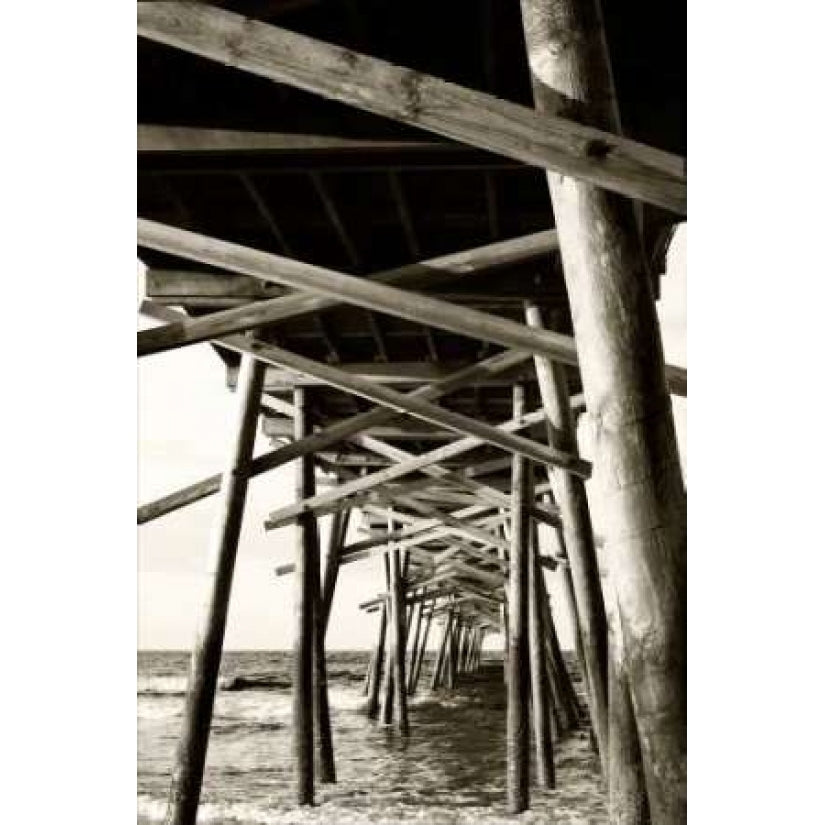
450,267
362,292
176,139
478,119
187,774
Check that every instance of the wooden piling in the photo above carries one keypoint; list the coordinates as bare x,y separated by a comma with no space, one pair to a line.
518,721
623,376
187,774
437,677
414,647
586,598
421,653
627,802
398,638
539,683
375,679
320,695
306,581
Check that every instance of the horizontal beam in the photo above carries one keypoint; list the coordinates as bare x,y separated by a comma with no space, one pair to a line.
468,116
155,138
412,306
422,274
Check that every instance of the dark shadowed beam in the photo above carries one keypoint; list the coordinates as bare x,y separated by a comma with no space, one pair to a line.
482,120
265,213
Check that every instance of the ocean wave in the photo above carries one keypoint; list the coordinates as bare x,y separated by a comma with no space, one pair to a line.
262,681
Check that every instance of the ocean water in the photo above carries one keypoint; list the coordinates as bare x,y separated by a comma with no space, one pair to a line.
451,769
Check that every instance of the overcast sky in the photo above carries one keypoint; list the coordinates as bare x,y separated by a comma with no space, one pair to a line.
185,418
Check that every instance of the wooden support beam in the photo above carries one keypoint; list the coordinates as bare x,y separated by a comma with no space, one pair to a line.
624,380
398,640
265,212
335,219
320,502
478,119
518,672
326,438
539,682
187,773
306,562
363,292
452,267
416,672
627,801
484,492
180,139
378,658
586,599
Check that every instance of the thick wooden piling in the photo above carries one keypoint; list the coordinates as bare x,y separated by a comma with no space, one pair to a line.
627,802
587,599
518,674
623,376
539,684
306,597
187,774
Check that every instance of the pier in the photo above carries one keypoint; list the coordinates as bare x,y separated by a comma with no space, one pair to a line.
426,242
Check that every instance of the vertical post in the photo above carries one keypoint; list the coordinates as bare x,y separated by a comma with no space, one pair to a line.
539,683
503,614
627,802
306,580
320,695
421,652
518,723
622,368
416,638
337,538
378,663
187,775
579,543
399,637
442,653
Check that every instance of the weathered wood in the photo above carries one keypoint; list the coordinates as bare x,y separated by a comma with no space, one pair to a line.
327,437
402,303
518,672
287,514
416,674
305,600
376,86
623,376
539,683
161,138
187,774
375,680
459,265
414,647
626,795
435,682
569,493
398,640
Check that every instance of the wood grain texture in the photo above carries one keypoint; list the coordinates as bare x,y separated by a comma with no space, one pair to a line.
380,297
471,117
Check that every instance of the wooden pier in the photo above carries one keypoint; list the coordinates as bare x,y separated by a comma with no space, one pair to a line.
424,238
